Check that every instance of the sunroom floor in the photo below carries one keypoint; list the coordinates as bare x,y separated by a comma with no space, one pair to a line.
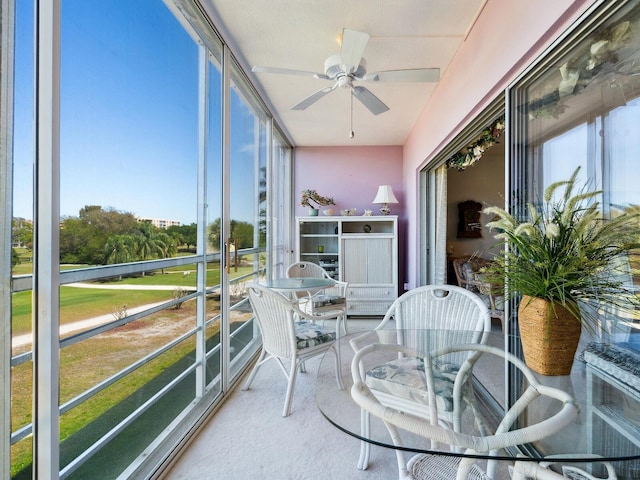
248,438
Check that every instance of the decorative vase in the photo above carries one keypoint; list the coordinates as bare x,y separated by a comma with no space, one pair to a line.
549,349
313,212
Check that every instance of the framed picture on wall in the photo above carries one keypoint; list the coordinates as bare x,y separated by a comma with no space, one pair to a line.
469,225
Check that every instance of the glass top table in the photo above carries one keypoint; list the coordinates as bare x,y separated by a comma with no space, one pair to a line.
606,427
298,284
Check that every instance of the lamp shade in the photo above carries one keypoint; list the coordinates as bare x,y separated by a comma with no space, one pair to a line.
385,195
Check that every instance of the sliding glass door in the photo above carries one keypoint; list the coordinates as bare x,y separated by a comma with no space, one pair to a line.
580,108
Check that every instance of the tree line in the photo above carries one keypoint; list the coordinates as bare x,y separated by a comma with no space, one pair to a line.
101,236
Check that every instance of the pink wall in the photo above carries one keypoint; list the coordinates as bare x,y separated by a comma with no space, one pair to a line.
350,175
507,37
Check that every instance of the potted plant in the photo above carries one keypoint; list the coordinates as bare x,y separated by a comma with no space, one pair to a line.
309,197
561,260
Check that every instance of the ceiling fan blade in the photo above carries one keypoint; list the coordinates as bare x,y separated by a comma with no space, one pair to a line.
407,76
286,71
369,100
313,98
353,45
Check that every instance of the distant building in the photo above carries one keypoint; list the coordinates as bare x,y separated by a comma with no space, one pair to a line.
159,222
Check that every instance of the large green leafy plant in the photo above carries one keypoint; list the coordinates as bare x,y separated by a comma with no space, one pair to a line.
565,252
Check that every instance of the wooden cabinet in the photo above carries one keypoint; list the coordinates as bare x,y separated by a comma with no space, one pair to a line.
362,251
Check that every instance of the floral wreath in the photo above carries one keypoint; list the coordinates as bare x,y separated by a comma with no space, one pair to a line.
474,151
586,66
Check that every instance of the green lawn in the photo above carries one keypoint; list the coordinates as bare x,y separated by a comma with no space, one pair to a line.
86,363
82,303
170,277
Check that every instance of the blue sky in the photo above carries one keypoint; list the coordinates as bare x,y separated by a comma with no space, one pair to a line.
129,111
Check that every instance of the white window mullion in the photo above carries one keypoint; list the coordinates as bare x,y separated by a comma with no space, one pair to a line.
203,129
46,428
257,125
225,223
270,187
440,243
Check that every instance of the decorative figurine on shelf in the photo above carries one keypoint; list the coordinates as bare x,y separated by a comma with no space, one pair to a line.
309,196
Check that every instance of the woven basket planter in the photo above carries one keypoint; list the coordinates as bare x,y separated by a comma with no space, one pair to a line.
548,351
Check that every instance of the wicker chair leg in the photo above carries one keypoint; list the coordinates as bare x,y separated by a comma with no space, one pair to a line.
292,382
256,367
365,447
342,323
336,352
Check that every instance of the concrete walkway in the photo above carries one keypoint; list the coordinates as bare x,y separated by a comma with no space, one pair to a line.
128,287
80,325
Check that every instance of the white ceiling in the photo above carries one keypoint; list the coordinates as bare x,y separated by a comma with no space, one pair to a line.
301,34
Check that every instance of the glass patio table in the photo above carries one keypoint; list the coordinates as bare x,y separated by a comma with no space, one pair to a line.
303,284
606,427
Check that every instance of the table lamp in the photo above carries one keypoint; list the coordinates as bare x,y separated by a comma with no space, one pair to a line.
385,196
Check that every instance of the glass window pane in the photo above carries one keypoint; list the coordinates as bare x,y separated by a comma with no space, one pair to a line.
22,238
129,103
247,206
580,108
581,111
128,183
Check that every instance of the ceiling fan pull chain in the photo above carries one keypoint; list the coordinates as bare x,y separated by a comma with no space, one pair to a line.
351,134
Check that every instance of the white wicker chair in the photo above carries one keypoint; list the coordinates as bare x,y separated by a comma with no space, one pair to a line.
332,300
542,471
288,334
440,467
467,270
431,307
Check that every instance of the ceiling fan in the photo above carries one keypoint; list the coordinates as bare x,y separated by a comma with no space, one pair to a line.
348,67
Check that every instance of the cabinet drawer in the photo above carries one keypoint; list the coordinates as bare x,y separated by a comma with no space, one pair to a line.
371,292
355,307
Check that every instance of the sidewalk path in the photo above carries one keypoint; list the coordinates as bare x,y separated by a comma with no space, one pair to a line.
80,325
128,287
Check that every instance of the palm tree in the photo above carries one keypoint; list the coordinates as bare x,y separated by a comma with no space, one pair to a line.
120,249
148,246
165,245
